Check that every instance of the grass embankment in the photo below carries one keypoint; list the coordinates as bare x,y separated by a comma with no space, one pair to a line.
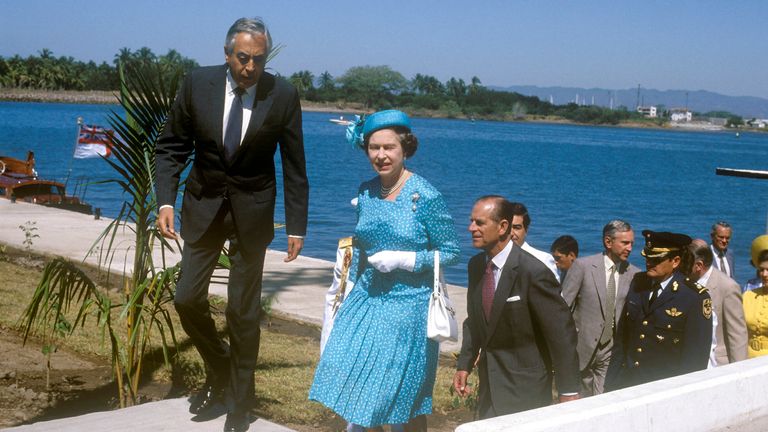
287,359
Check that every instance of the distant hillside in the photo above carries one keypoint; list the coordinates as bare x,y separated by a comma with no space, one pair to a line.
700,100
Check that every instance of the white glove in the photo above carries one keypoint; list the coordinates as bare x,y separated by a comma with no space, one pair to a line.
386,261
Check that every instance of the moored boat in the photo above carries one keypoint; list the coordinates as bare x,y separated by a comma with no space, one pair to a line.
19,181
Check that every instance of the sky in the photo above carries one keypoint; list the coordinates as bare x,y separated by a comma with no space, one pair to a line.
666,45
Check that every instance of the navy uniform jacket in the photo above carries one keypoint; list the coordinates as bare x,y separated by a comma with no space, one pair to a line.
672,336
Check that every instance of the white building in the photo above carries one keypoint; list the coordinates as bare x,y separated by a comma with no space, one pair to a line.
649,111
680,115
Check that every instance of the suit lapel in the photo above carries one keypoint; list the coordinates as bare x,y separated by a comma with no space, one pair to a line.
262,102
507,280
623,288
216,95
598,274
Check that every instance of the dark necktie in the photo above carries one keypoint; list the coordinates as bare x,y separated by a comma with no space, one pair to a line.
489,289
610,307
655,292
721,255
234,124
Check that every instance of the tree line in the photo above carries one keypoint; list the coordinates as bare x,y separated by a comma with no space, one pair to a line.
375,87
48,72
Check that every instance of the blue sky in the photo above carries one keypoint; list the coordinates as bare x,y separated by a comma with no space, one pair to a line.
691,45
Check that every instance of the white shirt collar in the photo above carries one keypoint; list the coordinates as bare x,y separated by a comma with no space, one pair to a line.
501,258
705,277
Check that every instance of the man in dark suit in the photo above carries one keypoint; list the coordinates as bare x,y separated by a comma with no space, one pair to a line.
232,118
595,289
518,327
666,327
721,236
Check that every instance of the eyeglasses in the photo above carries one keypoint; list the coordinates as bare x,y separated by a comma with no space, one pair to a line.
244,59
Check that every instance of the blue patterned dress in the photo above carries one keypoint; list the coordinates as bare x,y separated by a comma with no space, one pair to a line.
378,366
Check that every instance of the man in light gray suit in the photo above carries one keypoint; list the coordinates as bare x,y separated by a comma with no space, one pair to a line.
731,328
595,288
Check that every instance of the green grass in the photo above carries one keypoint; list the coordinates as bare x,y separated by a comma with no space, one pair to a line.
287,359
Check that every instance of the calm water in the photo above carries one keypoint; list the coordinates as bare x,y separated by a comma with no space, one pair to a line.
572,178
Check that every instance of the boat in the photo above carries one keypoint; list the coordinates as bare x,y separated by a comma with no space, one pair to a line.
19,181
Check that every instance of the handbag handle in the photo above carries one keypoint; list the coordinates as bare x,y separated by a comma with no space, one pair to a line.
436,283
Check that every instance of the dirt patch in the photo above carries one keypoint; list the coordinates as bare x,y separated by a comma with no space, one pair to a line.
24,394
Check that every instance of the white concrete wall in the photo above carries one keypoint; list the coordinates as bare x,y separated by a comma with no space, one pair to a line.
729,397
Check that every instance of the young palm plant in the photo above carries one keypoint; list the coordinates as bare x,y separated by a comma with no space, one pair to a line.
66,294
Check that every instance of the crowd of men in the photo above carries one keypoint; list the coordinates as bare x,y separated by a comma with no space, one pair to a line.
595,323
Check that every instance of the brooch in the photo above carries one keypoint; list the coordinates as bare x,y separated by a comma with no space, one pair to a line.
415,197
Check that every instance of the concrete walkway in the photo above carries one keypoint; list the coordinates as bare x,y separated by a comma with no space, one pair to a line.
299,288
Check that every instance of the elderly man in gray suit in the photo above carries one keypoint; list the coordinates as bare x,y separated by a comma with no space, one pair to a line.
730,329
595,288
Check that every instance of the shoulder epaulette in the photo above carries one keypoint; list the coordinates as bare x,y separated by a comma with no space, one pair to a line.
695,286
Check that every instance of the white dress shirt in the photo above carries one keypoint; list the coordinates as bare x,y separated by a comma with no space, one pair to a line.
544,257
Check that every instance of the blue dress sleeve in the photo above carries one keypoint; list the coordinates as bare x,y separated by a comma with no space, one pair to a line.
433,213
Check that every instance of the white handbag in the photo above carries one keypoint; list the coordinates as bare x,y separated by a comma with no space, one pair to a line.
441,319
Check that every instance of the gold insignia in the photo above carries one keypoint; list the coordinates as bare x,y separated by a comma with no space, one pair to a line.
673,312
707,308
702,290
660,338
675,340
674,285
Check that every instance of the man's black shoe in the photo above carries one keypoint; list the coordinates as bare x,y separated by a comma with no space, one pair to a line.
237,422
206,398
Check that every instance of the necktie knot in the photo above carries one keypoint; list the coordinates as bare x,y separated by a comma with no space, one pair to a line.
239,91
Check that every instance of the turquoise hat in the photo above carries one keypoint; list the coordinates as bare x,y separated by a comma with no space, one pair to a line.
363,126
385,119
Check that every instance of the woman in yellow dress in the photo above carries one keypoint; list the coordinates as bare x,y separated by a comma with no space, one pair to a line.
756,300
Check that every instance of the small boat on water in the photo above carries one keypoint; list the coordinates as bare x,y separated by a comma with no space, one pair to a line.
19,181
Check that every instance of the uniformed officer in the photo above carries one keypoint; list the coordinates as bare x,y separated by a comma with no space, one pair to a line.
666,326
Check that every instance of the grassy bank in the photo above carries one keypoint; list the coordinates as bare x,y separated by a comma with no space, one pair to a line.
288,356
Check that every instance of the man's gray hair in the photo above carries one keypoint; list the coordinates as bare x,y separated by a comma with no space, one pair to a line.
721,223
615,226
254,26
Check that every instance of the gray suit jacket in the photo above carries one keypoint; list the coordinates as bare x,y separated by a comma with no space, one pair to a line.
584,292
731,331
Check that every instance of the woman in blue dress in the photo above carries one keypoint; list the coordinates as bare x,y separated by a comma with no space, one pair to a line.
378,367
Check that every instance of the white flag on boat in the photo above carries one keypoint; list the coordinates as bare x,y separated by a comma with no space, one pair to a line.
93,141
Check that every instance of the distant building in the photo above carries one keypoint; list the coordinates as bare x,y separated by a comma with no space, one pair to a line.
648,111
758,123
718,121
678,115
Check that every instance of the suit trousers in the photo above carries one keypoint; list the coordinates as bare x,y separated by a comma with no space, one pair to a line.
233,364
593,377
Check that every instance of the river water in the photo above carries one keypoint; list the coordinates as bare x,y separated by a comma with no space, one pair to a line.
572,178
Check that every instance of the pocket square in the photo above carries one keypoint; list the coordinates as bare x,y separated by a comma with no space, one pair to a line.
513,299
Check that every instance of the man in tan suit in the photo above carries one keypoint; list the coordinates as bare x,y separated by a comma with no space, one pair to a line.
595,288
731,328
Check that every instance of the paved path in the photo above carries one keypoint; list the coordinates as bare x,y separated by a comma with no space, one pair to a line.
299,288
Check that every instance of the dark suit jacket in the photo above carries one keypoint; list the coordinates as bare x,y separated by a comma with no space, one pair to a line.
195,124
584,291
529,333
672,336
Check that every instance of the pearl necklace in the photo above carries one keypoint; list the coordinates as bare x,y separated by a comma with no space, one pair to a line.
385,192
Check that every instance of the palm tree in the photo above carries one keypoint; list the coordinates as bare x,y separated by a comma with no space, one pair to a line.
65,297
